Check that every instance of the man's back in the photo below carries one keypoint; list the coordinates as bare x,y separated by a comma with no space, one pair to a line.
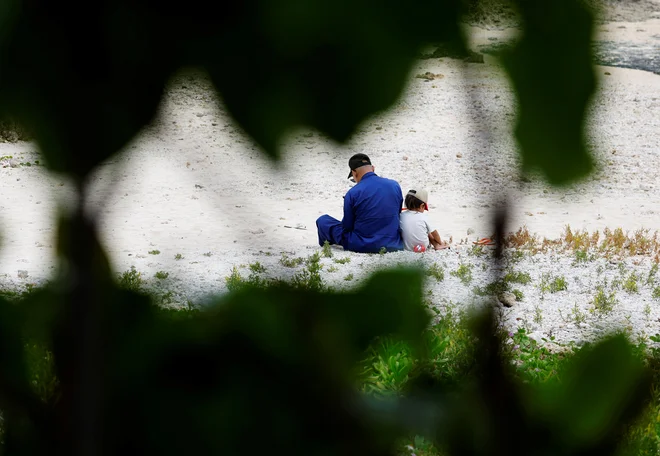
371,215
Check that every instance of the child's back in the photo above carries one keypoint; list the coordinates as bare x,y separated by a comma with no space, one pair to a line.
415,229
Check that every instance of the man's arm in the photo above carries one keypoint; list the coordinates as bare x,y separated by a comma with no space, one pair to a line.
348,222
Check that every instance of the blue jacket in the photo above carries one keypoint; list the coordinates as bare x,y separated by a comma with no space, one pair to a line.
371,215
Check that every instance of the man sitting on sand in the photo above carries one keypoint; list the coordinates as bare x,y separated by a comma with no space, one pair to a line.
371,212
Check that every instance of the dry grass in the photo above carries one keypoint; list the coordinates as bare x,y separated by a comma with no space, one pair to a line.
612,244
521,239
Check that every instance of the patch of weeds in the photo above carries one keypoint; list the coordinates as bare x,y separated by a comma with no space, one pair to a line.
553,285
622,268
534,363
162,275
578,241
178,256
131,280
647,310
495,288
436,271
464,273
342,260
477,251
516,256
656,293
578,316
207,254
630,284
257,268
558,284
538,314
40,366
650,279
614,241
382,251
581,256
327,250
234,281
518,294
332,269
154,252
386,368
167,298
290,262
349,277
604,302
310,277
10,295
521,239
522,278
29,289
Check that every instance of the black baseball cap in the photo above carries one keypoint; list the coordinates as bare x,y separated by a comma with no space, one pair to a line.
357,161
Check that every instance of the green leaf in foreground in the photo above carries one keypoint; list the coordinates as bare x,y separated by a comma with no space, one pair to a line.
601,390
551,70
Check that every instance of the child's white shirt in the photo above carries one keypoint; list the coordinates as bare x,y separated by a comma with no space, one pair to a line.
415,229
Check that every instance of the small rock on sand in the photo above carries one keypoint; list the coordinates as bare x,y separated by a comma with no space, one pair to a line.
507,299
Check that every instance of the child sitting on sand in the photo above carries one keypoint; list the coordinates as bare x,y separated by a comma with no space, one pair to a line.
416,231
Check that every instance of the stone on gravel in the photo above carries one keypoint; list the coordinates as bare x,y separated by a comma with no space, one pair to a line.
507,299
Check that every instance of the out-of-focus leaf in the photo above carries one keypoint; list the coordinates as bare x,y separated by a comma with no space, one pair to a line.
84,88
326,64
279,360
552,73
494,413
603,387
341,323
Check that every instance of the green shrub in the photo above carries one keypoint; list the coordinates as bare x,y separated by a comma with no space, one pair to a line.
290,262
310,277
234,281
553,284
604,302
464,273
162,275
630,284
327,250
656,293
131,280
581,256
522,278
650,279
558,284
436,271
257,268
